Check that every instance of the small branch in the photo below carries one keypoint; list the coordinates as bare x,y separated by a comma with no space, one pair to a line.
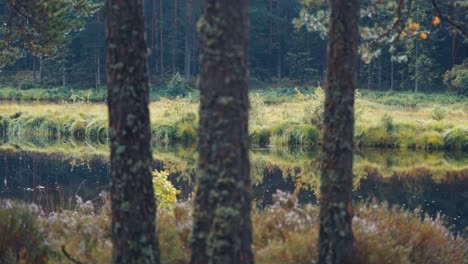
460,28
69,256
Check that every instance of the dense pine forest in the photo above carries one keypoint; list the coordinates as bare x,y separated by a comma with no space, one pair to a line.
286,49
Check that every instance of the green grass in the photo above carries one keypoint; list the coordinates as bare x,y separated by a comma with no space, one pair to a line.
291,120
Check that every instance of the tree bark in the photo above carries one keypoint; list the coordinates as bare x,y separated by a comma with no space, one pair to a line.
154,35
174,37
336,241
188,39
161,41
97,51
222,231
133,205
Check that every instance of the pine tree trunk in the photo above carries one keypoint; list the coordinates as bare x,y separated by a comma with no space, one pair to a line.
336,241
34,69
97,52
222,231
161,41
416,70
133,205
174,37
41,72
188,39
391,74
281,31
154,35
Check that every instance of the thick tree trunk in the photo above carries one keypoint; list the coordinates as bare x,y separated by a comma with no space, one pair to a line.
133,205
336,241
222,230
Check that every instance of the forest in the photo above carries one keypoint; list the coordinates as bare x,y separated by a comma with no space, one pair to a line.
220,131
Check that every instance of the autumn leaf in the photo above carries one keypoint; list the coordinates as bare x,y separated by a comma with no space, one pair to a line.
423,35
436,21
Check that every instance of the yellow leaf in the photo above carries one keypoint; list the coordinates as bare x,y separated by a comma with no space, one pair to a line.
423,35
436,21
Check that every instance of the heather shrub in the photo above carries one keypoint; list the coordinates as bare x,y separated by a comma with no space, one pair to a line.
21,239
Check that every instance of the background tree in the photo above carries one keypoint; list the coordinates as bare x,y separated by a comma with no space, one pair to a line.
222,231
336,241
133,205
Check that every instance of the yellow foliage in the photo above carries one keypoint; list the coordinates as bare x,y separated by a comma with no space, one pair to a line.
436,21
164,192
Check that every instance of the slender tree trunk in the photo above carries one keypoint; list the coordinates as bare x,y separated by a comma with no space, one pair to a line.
416,70
133,205
188,39
369,75
154,35
41,72
391,74
380,73
34,69
222,231
64,73
336,241
174,37
97,51
281,31
161,41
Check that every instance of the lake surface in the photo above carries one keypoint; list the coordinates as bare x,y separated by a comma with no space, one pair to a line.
51,175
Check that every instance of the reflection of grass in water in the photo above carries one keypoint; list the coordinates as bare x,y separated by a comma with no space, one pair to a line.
298,165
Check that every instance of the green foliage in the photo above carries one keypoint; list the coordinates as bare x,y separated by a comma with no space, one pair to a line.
164,192
177,86
438,113
21,238
430,140
457,78
315,108
457,138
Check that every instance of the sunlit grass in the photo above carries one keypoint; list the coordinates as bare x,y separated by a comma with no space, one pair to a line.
285,123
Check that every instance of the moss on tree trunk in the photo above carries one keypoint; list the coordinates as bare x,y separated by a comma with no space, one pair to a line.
133,205
336,210
222,225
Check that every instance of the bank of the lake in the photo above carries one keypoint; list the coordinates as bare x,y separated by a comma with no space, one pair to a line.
295,121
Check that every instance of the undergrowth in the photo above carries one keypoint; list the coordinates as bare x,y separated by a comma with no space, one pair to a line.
284,232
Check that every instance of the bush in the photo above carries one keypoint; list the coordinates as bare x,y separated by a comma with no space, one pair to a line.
177,86
457,78
315,108
438,113
430,140
14,96
456,138
21,240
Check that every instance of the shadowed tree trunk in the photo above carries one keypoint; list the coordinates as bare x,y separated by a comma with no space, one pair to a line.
188,39
336,241
133,205
174,37
222,230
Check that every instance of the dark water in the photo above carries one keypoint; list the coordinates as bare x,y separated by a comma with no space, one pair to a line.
433,182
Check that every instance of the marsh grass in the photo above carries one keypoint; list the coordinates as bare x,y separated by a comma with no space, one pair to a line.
283,123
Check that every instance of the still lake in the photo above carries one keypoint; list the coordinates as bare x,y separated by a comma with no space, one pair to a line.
53,173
